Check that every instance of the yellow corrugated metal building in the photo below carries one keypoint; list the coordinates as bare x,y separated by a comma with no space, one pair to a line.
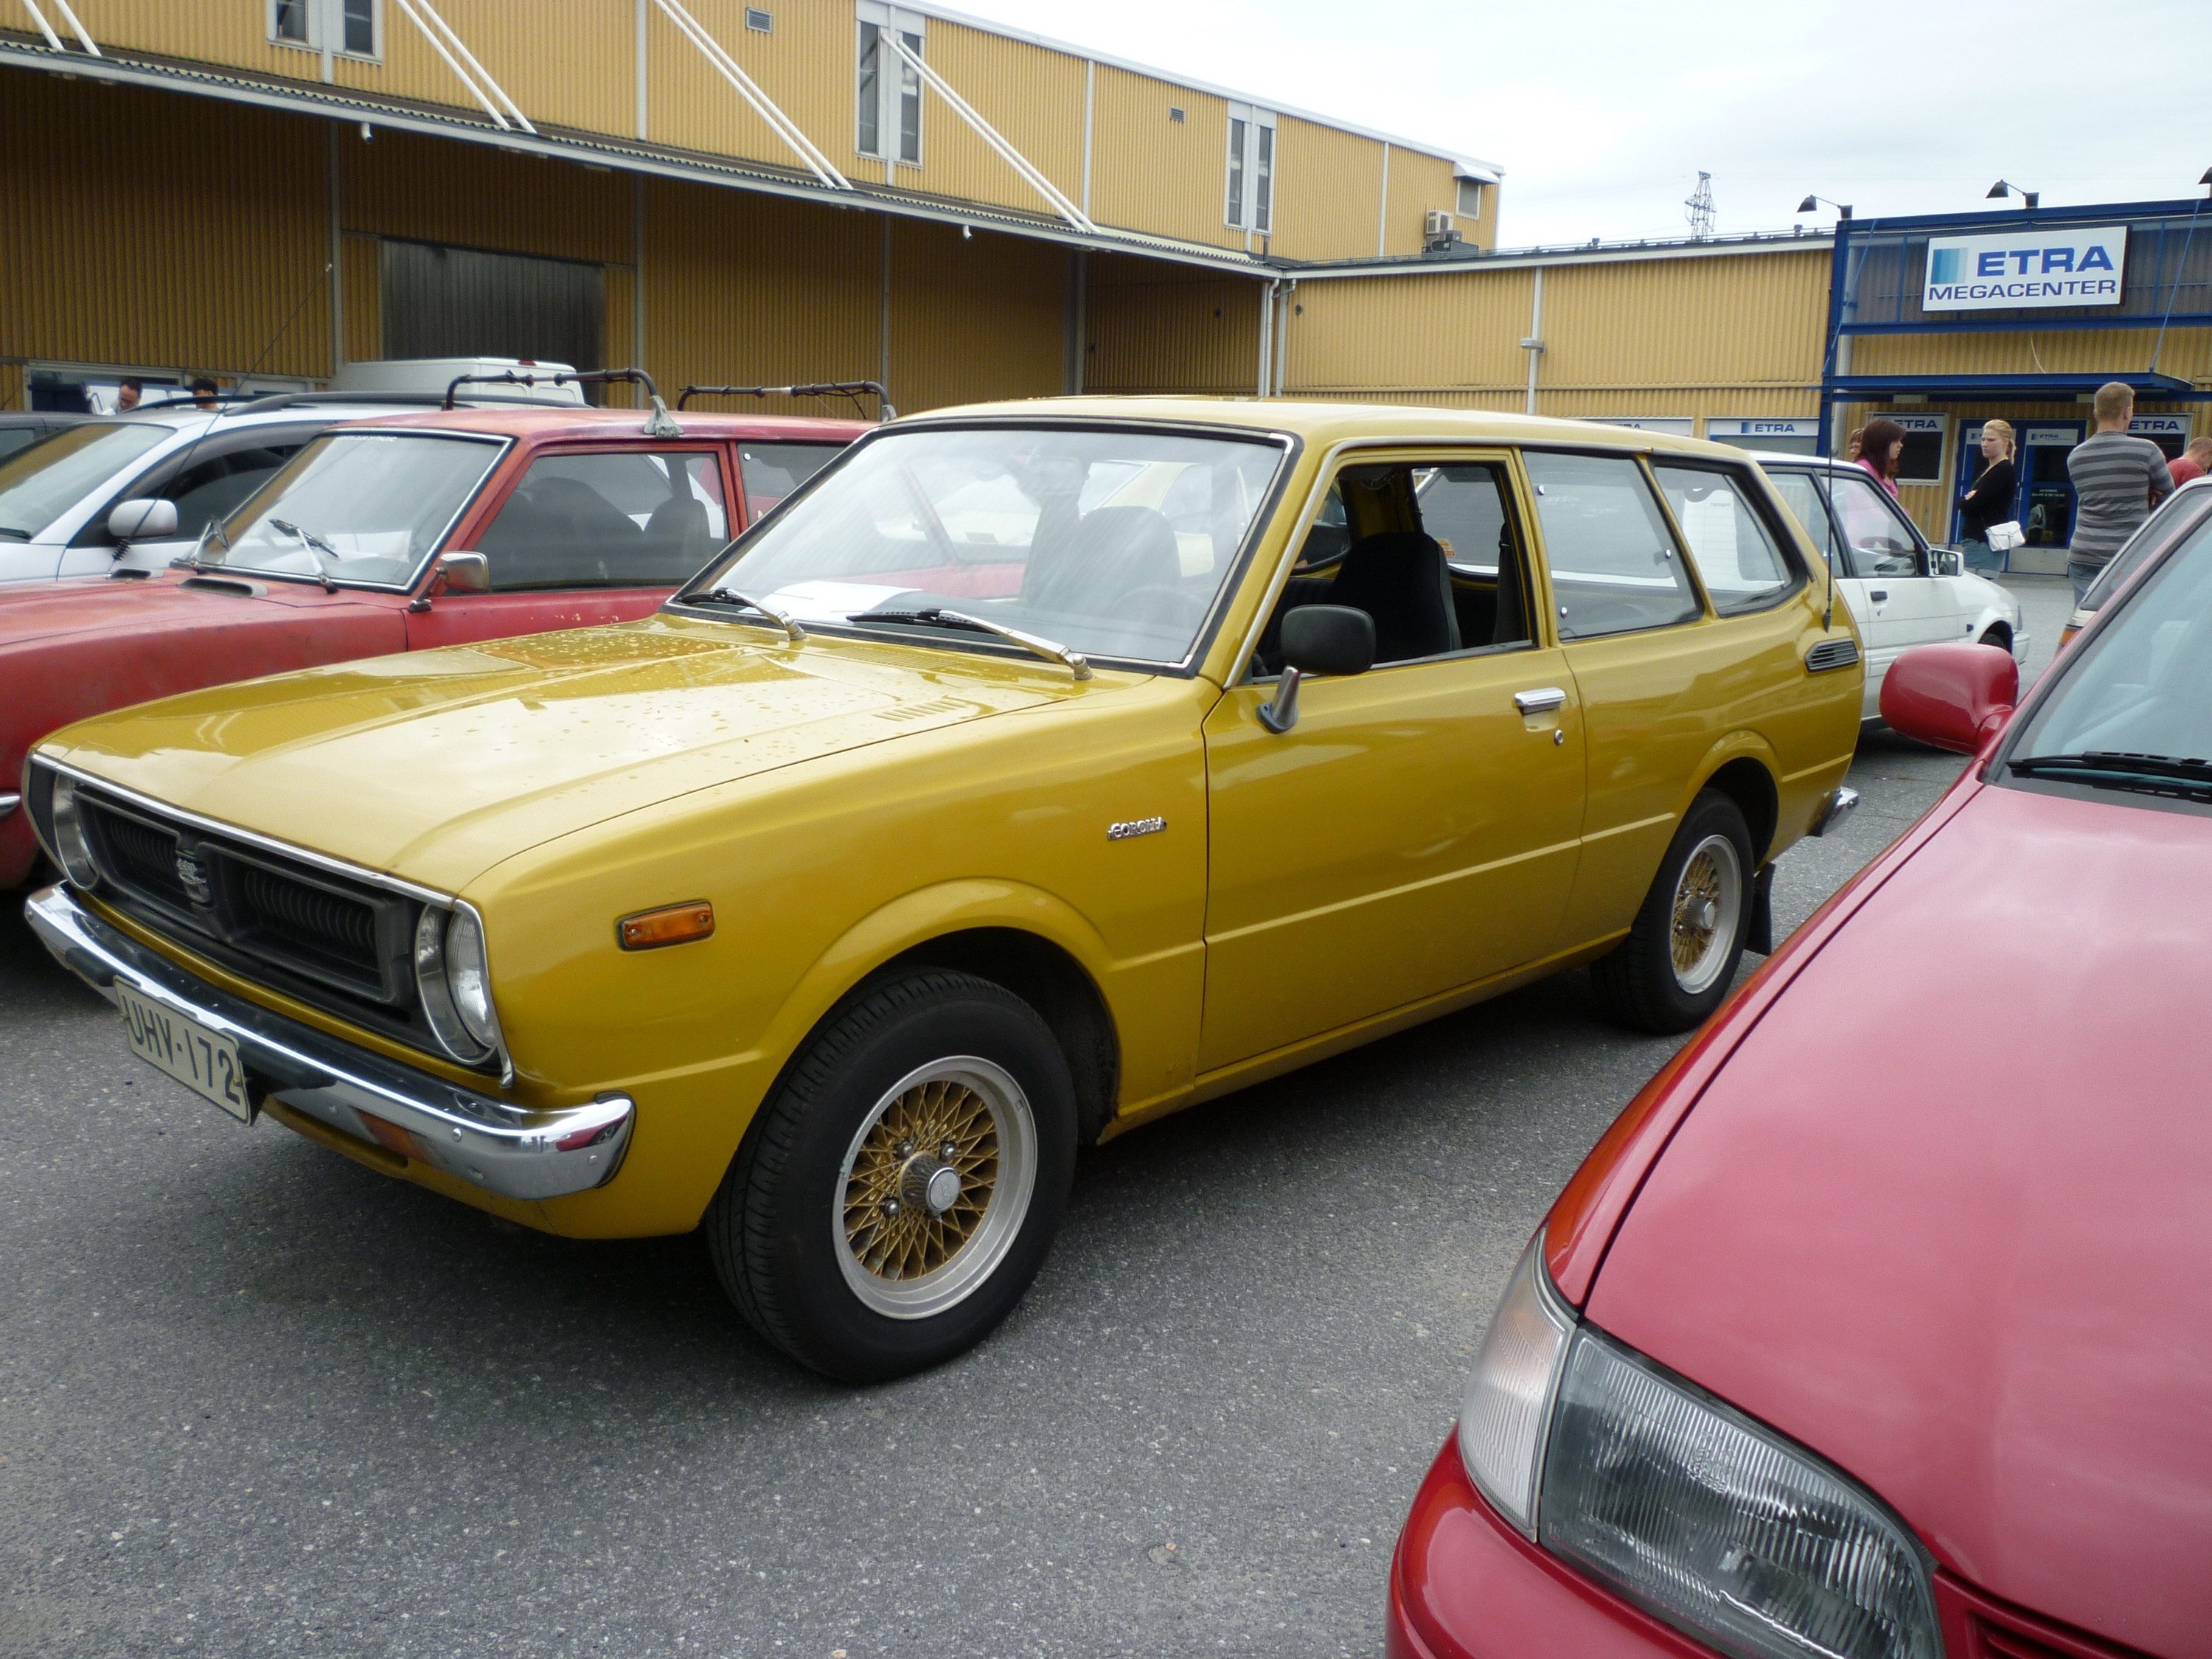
815,190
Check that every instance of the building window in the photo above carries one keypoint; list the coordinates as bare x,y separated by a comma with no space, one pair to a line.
1251,168
351,28
1470,199
889,122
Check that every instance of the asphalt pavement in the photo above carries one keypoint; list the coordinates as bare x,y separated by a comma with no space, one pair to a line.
255,1398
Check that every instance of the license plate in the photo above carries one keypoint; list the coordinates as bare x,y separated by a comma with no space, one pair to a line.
204,1061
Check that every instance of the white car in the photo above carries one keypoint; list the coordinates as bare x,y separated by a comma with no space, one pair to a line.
1902,592
131,492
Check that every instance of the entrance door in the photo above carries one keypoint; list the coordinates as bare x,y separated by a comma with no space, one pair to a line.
1416,830
2047,490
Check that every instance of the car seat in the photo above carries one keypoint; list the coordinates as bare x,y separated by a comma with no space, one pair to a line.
1114,551
1399,578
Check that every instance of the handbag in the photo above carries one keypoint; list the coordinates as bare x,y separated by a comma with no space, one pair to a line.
2003,537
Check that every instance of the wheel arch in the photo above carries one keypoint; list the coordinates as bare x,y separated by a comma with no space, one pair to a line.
1022,939
1744,772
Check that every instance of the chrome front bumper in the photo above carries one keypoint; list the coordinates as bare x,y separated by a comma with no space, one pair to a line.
483,1140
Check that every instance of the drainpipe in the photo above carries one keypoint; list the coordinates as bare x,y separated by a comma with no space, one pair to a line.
1533,345
1283,335
1267,332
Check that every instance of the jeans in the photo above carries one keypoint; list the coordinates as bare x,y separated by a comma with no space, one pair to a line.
2082,575
1981,558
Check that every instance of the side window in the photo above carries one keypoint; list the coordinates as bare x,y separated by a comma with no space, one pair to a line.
352,29
1328,539
1802,495
206,481
774,470
1463,508
628,519
1741,567
888,121
1615,568
1880,541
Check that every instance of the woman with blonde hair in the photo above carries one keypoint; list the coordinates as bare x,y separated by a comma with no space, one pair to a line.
1988,499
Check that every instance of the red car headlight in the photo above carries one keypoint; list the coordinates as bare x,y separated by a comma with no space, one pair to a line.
1508,1408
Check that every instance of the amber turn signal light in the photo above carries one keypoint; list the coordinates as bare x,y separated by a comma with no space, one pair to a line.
672,924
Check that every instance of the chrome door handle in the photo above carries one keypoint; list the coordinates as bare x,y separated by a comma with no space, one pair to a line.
1541,701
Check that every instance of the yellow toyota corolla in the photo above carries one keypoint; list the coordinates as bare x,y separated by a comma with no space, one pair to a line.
1036,770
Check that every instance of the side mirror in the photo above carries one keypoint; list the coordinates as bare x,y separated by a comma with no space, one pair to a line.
1951,695
142,520
466,573
1318,639
1945,560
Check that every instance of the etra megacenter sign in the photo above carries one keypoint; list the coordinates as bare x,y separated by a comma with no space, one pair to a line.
2057,266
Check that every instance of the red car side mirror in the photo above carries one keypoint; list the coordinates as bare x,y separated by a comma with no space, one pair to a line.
1951,695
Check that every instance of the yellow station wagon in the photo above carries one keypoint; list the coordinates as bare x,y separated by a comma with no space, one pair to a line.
1038,769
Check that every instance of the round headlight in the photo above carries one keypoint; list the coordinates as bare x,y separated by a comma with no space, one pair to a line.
469,978
434,980
71,846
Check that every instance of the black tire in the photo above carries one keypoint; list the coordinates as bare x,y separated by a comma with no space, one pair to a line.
1639,983
814,1179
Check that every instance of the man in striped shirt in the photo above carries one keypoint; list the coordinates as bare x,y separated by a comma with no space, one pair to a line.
2116,481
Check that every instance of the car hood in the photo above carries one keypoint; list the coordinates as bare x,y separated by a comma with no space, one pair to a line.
1942,1216
437,764
31,611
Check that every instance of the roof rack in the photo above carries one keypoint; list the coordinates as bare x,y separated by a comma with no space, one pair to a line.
658,424
852,389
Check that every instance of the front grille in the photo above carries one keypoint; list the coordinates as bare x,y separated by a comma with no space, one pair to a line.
333,941
313,918
143,856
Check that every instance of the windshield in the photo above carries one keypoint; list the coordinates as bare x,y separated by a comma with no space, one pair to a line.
2142,688
357,506
1114,543
41,483
2176,514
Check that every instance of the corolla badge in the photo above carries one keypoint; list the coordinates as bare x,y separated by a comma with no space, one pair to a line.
1135,827
191,874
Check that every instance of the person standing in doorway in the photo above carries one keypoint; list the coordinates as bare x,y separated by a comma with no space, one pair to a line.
2118,480
1881,449
1989,500
2195,463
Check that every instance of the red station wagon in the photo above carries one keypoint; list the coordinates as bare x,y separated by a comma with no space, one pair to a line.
1879,1325
398,534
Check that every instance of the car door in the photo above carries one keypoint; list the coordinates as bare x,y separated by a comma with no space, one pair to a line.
1907,604
586,536
1415,830
1663,676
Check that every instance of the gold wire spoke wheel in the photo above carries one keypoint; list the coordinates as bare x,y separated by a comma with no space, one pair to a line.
935,1186
1708,907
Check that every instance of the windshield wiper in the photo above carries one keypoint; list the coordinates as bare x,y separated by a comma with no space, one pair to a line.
2106,769
936,616
782,619
314,545
10,530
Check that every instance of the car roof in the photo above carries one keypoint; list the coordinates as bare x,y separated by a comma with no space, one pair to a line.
1336,422
557,425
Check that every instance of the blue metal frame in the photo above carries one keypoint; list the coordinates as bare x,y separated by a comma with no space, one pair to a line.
1855,239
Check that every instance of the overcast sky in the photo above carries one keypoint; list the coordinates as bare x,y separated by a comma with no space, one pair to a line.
1603,112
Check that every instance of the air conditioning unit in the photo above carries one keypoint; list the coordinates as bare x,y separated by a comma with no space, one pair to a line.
1436,223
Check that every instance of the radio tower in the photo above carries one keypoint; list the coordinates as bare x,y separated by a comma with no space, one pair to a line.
1701,206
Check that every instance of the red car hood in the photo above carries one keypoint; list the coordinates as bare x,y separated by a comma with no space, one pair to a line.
1944,1216
40,611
